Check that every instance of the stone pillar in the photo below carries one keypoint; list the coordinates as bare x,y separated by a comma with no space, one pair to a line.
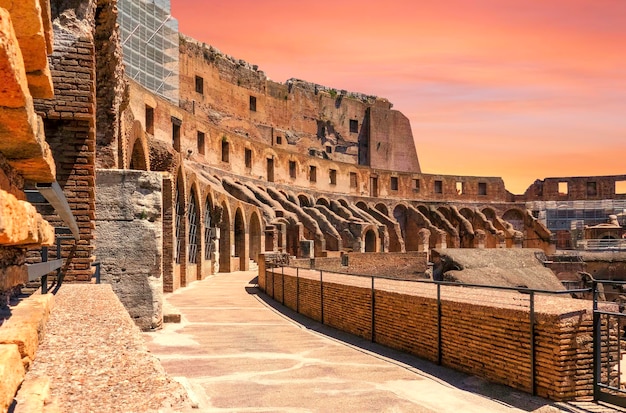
129,244
423,236
518,240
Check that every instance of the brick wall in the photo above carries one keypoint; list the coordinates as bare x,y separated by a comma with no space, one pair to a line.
481,332
69,122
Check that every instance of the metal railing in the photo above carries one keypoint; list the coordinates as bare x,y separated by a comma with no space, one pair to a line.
525,301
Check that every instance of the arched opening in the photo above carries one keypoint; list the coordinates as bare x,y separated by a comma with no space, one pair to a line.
489,213
179,224
408,228
515,218
255,237
303,200
240,238
370,241
225,239
343,202
467,213
323,201
193,241
208,236
138,157
362,205
382,208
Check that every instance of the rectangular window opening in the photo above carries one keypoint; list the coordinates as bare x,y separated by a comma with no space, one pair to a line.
459,188
482,188
329,149
374,186
394,183
225,151
416,185
292,169
354,126
199,85
248,158
176,123
563,188
149,120
332,176
312,173
279,140
439,187
592,189
354,182
620,187
252,104
270,169
200,143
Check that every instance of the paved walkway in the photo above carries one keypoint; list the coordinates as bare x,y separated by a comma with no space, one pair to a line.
238,351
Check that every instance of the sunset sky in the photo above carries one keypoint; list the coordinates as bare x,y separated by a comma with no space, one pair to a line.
521,89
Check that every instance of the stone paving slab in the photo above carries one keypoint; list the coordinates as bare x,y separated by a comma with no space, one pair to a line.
241,352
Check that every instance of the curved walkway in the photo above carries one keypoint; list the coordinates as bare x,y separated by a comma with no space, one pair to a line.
237,351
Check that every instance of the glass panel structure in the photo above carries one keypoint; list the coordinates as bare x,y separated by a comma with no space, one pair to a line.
150,44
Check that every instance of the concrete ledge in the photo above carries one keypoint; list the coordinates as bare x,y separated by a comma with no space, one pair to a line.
11,374
25,328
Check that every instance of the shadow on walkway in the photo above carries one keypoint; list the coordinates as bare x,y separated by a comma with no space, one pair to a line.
445,376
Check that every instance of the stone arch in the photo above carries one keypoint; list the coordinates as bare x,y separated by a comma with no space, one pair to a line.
255,237
370,240
239,229
408,227
304,200
138,158
323,201
343,203
515,217
362,205
207,225
445,211
193,226
490,213
225,239
382,208
180,241
467,213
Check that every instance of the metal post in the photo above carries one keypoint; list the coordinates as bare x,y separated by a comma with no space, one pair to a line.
44,278
533,387
597,353
373,312
439,345
322,297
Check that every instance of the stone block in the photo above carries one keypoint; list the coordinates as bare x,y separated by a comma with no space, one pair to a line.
21,224
13,275
33,395
14,91
31,35
26,326
11,374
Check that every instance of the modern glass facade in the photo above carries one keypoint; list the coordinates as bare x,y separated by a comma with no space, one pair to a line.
150,43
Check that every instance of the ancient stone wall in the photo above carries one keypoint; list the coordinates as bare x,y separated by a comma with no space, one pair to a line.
69,122
129,240
298,116
576,189
482,333
387,264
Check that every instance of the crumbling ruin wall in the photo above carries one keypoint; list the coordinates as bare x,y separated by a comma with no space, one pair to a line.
69,122
111,86
129,240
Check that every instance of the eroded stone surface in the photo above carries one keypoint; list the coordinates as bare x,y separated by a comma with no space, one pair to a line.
11,374
21,224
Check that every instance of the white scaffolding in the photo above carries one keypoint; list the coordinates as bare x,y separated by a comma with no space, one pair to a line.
150,43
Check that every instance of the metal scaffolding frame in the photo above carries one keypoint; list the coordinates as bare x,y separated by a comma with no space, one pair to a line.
150,43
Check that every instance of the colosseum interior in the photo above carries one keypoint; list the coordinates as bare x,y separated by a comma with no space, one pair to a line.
131,150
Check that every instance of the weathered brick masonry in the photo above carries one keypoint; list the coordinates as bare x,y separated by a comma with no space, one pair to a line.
483,332
69,122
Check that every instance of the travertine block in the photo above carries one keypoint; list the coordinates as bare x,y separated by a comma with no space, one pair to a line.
21,224
26,16
14,84
26,326
11,374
